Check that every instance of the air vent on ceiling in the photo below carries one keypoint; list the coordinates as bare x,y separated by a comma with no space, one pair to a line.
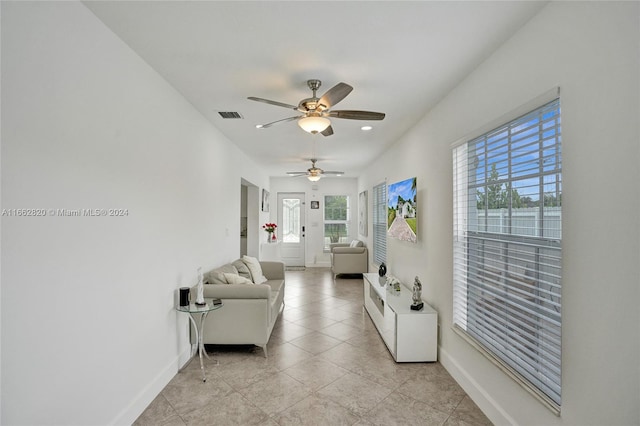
229,114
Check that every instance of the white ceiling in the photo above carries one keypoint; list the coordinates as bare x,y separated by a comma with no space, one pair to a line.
400,57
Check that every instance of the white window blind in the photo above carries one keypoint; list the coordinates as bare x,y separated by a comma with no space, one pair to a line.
379,223
507,247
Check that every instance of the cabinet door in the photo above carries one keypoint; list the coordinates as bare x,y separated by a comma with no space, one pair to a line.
417,338
374,306
389,329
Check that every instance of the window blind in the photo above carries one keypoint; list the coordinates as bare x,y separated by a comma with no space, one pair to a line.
507,247
379,211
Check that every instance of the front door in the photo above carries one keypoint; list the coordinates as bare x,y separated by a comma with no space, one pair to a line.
291,231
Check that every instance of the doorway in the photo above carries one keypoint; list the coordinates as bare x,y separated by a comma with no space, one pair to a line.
249,216
291,232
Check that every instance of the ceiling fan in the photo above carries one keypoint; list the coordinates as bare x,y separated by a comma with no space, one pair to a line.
314,173
316,111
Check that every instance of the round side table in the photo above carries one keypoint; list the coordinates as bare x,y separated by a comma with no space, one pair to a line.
200,311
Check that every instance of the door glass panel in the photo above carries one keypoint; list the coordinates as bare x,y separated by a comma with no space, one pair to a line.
291,220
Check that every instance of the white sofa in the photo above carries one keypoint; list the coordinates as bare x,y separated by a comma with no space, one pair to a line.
250,310
349,258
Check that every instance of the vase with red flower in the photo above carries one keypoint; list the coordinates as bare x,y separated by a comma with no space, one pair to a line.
270,228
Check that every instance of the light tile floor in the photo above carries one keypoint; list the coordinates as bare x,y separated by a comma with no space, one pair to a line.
327,365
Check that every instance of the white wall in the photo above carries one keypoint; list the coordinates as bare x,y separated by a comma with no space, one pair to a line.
591,51
314,218
89,331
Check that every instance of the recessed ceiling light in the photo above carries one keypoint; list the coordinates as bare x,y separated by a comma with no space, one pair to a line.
365,128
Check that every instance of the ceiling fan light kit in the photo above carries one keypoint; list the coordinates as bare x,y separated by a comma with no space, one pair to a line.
314,124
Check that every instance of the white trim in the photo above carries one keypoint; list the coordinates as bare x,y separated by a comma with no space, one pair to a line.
523,109
152,390
546,401
489,406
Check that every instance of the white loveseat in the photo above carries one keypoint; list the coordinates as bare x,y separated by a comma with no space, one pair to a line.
250,310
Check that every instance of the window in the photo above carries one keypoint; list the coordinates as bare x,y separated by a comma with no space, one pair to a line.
336,219
379,223
507,248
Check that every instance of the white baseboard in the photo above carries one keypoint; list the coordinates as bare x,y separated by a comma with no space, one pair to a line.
477,393
151,391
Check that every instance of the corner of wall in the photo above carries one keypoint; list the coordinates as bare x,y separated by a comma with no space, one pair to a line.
477,393
152,390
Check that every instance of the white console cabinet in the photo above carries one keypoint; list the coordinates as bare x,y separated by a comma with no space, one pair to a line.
411,336
271,252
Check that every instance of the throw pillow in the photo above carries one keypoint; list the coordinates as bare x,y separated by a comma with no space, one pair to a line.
243,271
356,243
256,270
215,276
236,279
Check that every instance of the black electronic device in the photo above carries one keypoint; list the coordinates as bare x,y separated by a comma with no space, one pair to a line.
184,296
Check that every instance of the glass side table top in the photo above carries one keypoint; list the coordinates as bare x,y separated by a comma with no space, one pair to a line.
192,308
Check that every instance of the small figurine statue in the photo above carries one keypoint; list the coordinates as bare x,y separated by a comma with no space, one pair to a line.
417,295
200,289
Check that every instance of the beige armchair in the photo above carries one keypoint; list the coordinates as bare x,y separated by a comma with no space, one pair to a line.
348,258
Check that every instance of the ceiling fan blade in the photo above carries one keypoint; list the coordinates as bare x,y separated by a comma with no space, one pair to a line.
284,120
335,95
276,103
333,173
294,174
356,115
327,132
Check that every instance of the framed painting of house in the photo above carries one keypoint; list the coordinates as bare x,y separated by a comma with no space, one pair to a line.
402,210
